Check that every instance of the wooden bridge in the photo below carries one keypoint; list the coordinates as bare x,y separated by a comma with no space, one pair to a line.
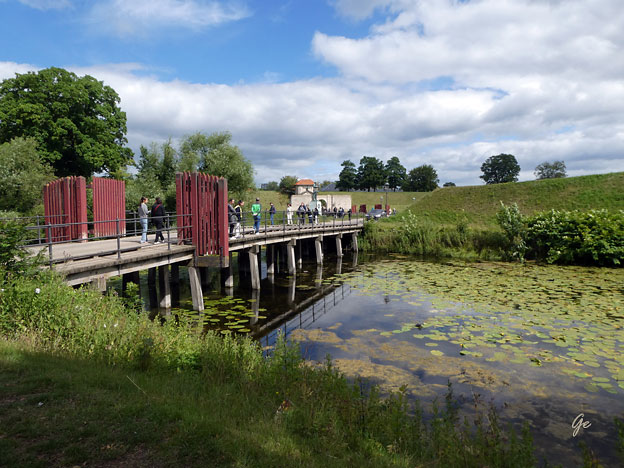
196,236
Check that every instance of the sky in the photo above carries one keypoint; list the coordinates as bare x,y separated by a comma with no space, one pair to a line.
303,85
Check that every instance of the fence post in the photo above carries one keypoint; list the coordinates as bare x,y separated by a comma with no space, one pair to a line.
50,244
118,241
168,233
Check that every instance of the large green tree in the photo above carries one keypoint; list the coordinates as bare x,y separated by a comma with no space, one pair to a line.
217,156
422,179
347,179
500,169
396,173
22,175
76,121
371,173
287,185
554,170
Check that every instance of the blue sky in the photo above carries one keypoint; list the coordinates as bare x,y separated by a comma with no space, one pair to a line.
304,84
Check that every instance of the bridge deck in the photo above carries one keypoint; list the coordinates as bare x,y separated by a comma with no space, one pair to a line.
83,261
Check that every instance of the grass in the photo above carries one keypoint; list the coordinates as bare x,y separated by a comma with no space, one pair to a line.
83,380
479,204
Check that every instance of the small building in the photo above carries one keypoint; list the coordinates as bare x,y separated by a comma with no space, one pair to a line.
304,188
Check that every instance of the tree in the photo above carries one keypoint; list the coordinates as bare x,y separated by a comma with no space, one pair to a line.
76,121
371,173
287,185
422,179
500,169
218,157
22,175
554,170
347,179
449,184
396,173
273,186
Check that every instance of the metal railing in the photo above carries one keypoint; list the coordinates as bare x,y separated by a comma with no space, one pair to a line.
283,221
44,235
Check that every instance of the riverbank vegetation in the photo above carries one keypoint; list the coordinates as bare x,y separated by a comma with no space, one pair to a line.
578,220
86,379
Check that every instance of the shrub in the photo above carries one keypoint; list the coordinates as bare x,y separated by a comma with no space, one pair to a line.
512,223
572,237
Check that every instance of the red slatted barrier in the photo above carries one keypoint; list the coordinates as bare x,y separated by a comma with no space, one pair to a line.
65,201
201,202
109,204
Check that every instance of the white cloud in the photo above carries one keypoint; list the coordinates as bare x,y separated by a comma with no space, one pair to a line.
47,4
446,83
142,17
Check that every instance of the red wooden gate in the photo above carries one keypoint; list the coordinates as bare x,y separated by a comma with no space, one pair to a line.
109,204
65,201
201,206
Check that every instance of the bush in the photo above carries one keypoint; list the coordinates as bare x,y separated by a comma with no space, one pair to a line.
512,223
572,237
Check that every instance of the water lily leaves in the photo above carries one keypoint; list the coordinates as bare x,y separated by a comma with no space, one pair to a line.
436,352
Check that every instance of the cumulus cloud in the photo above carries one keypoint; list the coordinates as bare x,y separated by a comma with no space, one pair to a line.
142,17
446,83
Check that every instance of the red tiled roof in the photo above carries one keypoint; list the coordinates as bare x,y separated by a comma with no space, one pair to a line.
305,182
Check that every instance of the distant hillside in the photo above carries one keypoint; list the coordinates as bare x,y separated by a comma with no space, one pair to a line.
479,204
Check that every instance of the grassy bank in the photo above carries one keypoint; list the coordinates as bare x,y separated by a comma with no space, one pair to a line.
461,221
87,381
478,204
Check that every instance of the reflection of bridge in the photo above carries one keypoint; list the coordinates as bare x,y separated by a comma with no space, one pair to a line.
196,236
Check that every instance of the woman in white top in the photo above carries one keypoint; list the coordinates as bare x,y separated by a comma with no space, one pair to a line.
289,213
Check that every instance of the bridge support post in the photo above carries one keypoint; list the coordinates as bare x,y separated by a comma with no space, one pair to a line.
300,259
99,283
354,242
318,244
227,274
290,247
164,287
129,278
196,290
339,245
270,259
253,266
151,287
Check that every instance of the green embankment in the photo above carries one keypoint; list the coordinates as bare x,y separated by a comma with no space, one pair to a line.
461,221
479,204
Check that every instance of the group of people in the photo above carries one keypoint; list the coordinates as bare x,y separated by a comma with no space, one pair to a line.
235,216
157,213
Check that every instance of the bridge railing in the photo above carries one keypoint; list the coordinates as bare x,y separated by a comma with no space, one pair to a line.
41,227
293,221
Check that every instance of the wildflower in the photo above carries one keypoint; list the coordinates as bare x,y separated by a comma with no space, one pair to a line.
37,290
104,325
115,325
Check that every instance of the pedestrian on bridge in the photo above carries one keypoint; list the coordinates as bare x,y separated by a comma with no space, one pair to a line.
272,211
256,209
239,217
143,214
289,213
231,216
158,213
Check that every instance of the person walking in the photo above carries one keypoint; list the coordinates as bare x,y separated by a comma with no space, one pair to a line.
272,213
239,217
158,213
289,213
231,216
256,209
309,213
301,212
143,214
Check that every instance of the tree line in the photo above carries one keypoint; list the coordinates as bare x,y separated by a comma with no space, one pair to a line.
54,123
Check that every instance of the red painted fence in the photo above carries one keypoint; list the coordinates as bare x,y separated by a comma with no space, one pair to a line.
201,206
109,204
65,201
